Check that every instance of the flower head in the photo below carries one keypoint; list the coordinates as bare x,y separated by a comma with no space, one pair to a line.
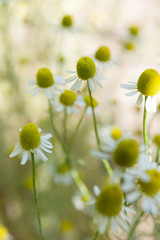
109,201
31,140
67,101
143,181
46,82
67,21
103,54
134,30
126,153
110,208
85,71
148,85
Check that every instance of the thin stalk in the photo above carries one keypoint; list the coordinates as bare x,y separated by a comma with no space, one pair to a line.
36,198
65,126
108,167
80,184
57,134
144,123
94,118
157,155
135,225
75,131
96,235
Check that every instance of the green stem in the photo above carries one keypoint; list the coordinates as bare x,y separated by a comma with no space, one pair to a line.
135,225
157,155
57,134
96,235
65,126
36,198
144,123
75,132
94,118
82,187
108,167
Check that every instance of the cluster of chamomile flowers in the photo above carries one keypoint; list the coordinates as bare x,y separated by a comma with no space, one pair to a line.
31,138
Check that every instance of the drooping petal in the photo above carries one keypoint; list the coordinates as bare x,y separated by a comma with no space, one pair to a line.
24,157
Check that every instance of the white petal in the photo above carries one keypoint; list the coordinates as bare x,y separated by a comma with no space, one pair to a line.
131,197
68,71
45,149
60,108
103,224
96,190
48,95
36,91
129,209
139,99
89,110
70,79
128,86
98,81
41,155
114,225
68,110
24,157
76,86
16,150
130,94
47,136
59,80
46,145
99,154
91,85
122,224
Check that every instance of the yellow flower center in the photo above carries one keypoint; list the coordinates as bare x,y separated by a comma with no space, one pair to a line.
63,168
103,54
67,21
86,68
152,187
149,82
68,98
30,137
44,78
66,226
116,133
134,30
126,153
156,139
109,201
88,101
3,232
129,45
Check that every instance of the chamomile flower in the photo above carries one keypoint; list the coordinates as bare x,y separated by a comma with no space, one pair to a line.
32,141
110,208
46,82
87,103
62,175
85,71
67,101
148,85
124,153
67,21
4,233
143,182
103,58
134,30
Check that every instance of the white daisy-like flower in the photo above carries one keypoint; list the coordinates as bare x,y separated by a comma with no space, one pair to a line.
62,175
66,25
119,149
67,100
110,209
103,58
148,85
32,141
46,82
85,71
143,182
87,104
